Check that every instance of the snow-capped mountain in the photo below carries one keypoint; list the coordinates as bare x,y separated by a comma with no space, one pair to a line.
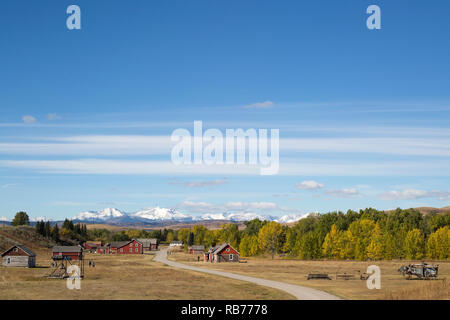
237,217
161,214
291,218
105,214
157,214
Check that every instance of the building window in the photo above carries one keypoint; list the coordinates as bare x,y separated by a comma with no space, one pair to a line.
8,261
228,249
137,249
121,250
231,257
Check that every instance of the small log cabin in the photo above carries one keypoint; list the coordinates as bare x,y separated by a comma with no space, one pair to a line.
149,244
19,256
68,252
197,249
222,253
127,247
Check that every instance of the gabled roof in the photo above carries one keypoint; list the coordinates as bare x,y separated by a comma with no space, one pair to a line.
67,249
220,247
27,251
198,247
148,242
93,243
119,244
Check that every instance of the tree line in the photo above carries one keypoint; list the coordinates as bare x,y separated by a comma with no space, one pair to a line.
356,235
367,234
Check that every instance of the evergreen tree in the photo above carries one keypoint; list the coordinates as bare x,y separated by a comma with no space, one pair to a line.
21,219
48,230
55,233
191,239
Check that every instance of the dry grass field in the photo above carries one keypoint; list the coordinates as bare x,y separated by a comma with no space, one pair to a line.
393,285
126,277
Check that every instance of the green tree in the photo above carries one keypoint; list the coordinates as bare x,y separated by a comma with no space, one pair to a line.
55,233
21,219
191,239
48,229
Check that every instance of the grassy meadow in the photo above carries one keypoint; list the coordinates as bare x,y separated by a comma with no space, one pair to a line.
126,277
393,285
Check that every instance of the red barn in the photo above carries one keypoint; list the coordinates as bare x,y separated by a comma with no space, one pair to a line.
104,249
222,253
127,247
68,252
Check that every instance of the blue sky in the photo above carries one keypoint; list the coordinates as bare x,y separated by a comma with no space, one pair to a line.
85,115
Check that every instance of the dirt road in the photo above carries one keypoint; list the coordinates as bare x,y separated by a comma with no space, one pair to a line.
301,293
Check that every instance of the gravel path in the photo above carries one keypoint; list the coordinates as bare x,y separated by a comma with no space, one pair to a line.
301,293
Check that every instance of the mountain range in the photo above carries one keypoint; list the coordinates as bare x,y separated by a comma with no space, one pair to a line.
157,214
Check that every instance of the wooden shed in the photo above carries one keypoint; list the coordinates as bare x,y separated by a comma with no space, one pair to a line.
222,253
197,249
149,244
19,256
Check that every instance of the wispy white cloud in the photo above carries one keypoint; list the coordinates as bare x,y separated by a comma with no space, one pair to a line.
161,145
8,185
287,167
343,193
260,105
412,194
309,185
201,184
27,119
53,117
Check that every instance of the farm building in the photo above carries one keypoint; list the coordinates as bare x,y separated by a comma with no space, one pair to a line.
19,256
68,252
176,244
127,247
222,253
197,249
91,246
104,249
149,244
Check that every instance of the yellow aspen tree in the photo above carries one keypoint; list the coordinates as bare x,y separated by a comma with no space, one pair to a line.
414,244
330,247
269,237
375,250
